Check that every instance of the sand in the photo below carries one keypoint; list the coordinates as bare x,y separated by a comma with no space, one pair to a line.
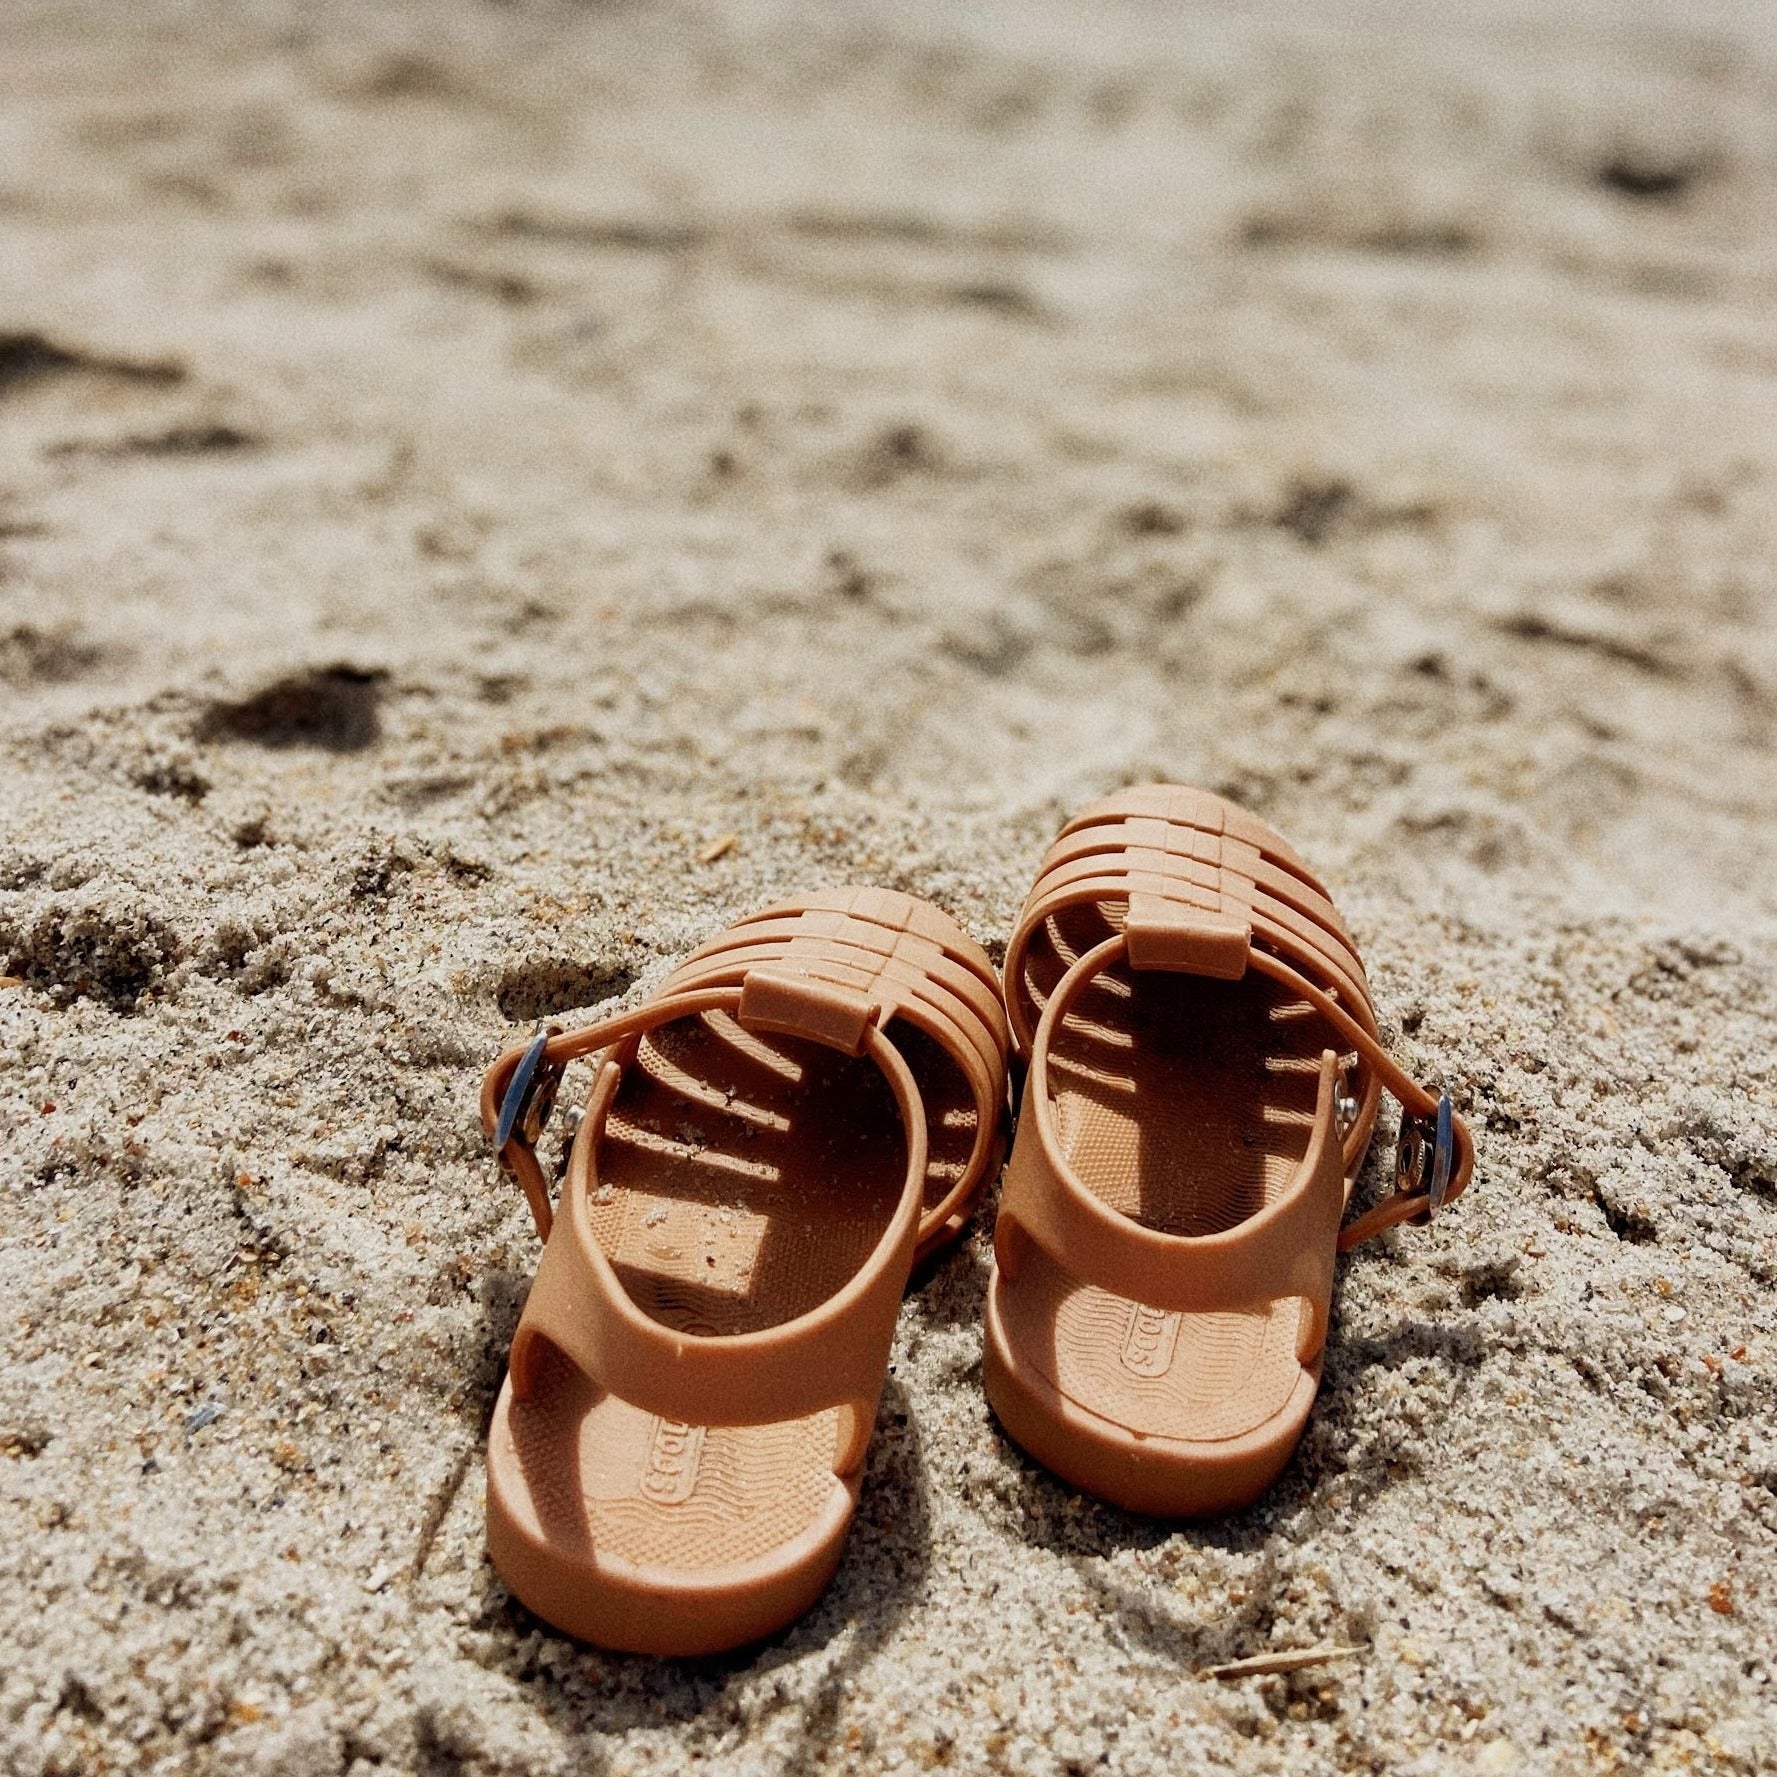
458,464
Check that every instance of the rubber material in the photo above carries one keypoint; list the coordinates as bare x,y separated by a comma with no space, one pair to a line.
675,1456
940,1000
1204,1080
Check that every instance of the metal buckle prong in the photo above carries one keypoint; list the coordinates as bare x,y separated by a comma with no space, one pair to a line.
1425,1154
1346,1103
531,1095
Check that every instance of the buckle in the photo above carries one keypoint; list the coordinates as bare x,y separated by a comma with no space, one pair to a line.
1424,1156
531,1095
1346,1103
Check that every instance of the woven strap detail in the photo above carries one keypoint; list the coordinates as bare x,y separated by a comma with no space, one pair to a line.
913,964
1174,858
889,956
909,958
1185,879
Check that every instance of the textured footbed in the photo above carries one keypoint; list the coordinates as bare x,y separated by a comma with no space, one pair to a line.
1187,1104
740,1182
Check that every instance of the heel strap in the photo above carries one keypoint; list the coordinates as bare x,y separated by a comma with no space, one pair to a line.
1435,1157
833,1356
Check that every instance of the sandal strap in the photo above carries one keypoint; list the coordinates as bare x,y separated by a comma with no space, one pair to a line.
909,959
1158,846
1419,1109
1188,880
1183,805
1156,859
518,1093
912,961
834,1356
1285,1249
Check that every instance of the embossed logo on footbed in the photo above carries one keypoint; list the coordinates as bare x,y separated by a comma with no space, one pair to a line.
1149,1344
674,1452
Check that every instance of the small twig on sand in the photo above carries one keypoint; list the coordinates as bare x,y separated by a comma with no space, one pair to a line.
1295,1659
718,848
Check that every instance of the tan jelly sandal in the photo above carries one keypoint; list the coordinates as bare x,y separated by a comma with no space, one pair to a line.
1204,1078
813,1099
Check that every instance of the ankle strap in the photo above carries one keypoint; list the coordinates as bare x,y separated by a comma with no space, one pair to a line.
1435,1154
518,1091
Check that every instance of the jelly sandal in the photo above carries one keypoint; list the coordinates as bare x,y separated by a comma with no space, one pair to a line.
1204,1078
811,1101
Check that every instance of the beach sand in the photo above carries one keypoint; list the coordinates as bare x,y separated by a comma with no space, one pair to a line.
461,464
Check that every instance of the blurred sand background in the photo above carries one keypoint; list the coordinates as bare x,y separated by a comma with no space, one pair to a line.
459,464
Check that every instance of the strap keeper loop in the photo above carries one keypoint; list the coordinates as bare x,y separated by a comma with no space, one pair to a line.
799,1005
1165,934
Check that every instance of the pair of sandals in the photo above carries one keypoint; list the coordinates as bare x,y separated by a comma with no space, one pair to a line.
812,1106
